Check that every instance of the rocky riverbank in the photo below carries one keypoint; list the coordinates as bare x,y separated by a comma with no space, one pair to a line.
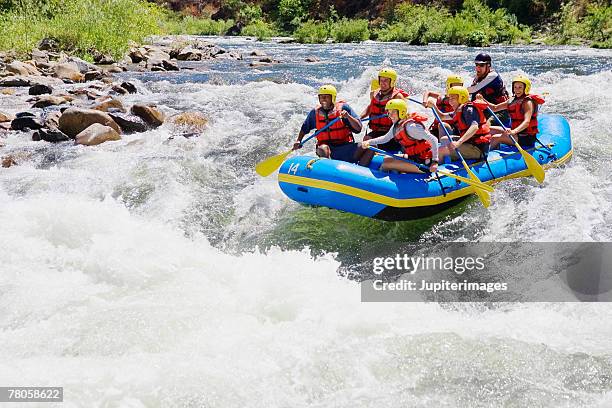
55,97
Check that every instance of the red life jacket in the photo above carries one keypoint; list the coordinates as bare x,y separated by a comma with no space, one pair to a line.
415,149
444,105
483,134
337,133
377,108
515,109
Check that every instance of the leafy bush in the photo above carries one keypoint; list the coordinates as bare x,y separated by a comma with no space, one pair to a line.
345,30
312,32
292,12
259,29
475,24
80,26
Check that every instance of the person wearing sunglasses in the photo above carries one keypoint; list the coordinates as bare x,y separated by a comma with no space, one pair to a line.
489,84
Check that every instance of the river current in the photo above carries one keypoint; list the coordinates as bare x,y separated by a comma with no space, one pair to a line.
155,272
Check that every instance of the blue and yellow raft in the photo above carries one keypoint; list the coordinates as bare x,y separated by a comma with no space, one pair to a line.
394,197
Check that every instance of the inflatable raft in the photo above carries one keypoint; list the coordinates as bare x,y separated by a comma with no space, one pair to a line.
394,197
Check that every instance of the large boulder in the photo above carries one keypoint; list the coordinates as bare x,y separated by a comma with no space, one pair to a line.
68,70
129,123
96,134
21,68
150,114
74,120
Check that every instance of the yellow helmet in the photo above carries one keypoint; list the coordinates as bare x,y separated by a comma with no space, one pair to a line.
400,105
524,80
453,79
388,73
460,91
328,90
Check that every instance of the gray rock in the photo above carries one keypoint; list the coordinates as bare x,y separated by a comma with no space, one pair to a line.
21,68
40,57
169,65
312,58
48,44
128,86
50,135
82,65
26,122
257,53
40,89
129,123
68,71
93,76
15,81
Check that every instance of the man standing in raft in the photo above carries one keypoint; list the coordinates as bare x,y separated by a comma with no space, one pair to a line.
523,110
471,124
387,78
336,142
488,83
442,101
410,133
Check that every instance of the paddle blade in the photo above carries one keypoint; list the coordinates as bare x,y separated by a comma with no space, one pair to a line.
473,183
374,85
484,197
535,168
268,166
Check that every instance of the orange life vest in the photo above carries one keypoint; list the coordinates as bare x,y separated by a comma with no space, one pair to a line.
419,150
515,109
337,133
377,108
444,105
483,134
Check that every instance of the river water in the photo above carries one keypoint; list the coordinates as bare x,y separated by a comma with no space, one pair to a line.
154,272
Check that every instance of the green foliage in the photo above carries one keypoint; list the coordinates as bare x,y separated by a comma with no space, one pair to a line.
292,12
474,25
312,32
595,26
250,14
345,30
259,29
80,26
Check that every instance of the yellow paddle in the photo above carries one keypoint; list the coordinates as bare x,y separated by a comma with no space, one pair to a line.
268,166
424,168
374,85
535,168
484,197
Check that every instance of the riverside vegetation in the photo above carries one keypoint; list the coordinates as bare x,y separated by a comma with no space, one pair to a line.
88,27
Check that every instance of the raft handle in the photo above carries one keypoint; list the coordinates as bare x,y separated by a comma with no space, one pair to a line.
302,189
